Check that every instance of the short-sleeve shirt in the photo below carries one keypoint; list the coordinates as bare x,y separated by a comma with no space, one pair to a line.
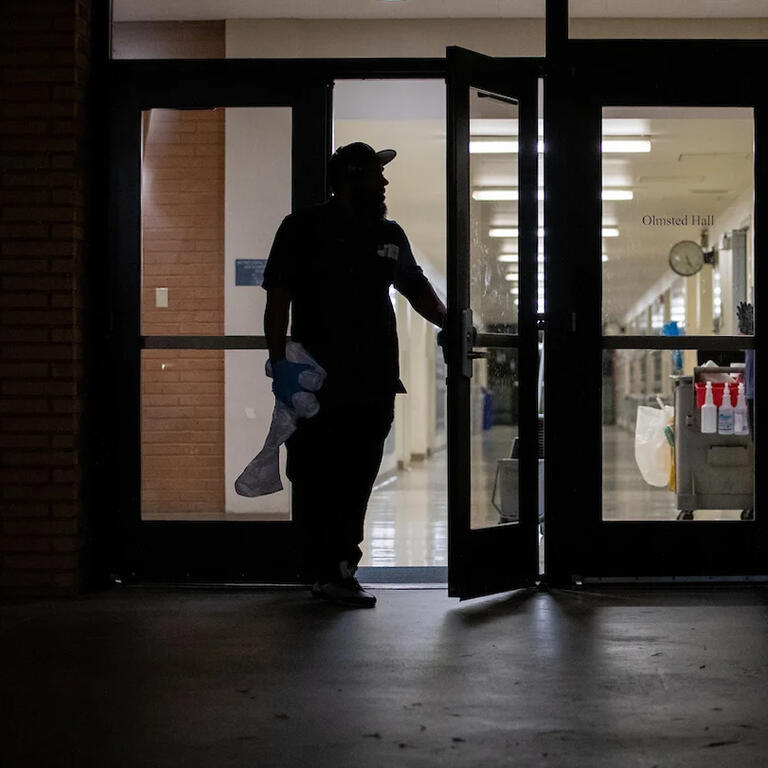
339,277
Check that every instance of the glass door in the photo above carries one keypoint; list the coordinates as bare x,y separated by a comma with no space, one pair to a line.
491,349
659,272
205,170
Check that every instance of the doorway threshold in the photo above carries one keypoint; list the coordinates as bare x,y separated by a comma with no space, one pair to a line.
404,577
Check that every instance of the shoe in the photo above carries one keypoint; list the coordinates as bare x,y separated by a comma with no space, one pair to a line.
344,590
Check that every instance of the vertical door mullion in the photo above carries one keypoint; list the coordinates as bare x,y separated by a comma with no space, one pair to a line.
457,284
528,299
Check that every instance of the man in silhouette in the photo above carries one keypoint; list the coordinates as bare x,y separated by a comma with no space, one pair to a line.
333,265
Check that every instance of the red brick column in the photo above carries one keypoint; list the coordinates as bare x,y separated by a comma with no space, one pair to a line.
44,48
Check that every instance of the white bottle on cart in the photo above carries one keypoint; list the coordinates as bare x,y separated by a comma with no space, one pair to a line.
709,412
725,416
740,414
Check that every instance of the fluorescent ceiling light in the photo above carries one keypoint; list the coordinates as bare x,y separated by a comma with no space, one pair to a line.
511,276
506,147
610,232
618,194
506,126
513,232
495,194
626,145
508,257
502,194
605,257
492,147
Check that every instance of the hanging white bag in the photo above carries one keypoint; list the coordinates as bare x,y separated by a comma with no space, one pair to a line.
262,475
652,451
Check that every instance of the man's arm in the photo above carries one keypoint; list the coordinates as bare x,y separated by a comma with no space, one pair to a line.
411,282
427,303
276,322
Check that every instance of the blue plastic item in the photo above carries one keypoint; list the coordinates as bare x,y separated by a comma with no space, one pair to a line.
285,381
487,409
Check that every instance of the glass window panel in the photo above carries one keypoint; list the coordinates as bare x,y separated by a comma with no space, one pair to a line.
698,476
494,290
494,412
648,19
204,416
215,185
493,212
675,175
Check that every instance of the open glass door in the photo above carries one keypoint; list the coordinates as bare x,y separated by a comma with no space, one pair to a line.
491,348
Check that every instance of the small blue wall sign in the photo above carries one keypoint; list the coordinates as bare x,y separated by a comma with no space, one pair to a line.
249,271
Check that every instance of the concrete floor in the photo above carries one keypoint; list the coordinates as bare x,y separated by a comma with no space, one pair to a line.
274,679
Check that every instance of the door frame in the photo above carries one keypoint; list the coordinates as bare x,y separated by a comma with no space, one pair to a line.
190,550
568,541
643,73
485,560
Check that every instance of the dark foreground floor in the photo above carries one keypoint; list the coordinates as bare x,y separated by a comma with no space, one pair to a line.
271,678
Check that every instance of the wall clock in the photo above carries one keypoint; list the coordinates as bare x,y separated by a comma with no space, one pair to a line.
686,258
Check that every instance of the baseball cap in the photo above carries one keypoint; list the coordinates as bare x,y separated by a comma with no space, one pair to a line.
351,158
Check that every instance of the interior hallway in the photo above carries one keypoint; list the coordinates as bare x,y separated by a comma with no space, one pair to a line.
406,522
274,679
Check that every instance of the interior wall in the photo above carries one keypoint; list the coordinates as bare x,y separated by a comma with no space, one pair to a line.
673,29
302,38
338,38
736,216
257,197
168,40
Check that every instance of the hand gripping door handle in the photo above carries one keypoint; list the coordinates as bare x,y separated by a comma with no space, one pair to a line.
468,339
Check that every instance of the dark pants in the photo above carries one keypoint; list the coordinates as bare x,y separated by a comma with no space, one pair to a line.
333,460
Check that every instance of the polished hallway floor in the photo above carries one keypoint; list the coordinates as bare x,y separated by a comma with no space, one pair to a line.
136,678
406,523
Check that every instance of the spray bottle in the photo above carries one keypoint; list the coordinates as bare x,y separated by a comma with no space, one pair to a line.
725,417
709,412
740,414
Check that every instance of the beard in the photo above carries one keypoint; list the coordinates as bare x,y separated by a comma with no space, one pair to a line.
370,209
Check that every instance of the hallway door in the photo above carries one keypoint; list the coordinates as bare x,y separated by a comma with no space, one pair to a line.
656,200
492,349
207,158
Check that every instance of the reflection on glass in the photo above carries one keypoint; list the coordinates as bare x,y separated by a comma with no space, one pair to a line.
677,254
204,416
651,472
495,497
493,211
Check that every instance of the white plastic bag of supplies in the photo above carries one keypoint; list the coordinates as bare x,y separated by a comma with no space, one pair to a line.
653,453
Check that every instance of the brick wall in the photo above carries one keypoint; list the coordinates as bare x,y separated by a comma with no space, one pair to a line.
44,48
182,407
182,391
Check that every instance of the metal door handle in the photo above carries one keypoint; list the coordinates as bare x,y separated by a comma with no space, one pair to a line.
468,338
